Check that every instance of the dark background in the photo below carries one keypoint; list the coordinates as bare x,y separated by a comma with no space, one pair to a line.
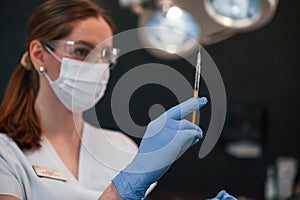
261,67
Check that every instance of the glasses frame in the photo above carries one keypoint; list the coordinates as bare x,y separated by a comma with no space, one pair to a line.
66,52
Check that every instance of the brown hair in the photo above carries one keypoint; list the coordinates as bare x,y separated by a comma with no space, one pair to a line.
51,20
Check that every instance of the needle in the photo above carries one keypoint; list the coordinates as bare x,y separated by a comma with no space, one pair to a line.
197,82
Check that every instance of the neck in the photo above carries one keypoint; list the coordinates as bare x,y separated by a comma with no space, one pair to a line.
56,120
60,126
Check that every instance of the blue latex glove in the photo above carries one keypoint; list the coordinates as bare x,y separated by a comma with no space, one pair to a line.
223,195
165,139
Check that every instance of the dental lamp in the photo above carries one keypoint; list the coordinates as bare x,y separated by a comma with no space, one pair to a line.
175,25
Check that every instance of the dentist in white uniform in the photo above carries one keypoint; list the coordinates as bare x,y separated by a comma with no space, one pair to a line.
47,150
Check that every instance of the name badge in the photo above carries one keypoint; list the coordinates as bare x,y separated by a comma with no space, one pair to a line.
49,173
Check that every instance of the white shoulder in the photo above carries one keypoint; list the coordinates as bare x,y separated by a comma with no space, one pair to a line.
4,139
11,169
10,152
8,145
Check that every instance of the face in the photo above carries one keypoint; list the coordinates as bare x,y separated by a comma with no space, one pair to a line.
91,31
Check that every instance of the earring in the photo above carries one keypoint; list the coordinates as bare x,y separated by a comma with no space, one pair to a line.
42,69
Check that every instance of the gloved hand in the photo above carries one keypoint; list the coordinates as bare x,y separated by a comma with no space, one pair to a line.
223,195
165,139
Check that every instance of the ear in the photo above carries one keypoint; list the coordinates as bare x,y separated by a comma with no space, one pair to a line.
37,54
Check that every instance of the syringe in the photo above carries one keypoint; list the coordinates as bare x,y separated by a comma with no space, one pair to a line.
197,82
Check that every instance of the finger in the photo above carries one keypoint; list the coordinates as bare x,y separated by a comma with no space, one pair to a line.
228,197
188,138
186,124
181,125
180,111
197,138
221,194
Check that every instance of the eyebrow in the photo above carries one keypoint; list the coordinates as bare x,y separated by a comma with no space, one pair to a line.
85,43
89,44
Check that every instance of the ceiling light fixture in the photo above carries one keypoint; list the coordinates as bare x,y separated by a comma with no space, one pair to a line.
173,26
234,13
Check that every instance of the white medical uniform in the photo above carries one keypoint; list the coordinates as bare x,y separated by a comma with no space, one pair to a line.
103,154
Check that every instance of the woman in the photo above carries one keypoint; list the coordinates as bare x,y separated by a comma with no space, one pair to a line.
47,151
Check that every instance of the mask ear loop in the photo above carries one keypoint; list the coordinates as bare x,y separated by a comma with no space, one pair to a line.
43,72
42,69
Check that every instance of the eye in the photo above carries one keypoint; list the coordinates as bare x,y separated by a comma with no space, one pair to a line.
81,52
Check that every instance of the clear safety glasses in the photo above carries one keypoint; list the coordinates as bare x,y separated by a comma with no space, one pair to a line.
84,51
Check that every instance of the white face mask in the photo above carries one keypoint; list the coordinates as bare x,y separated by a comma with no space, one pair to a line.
80,85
